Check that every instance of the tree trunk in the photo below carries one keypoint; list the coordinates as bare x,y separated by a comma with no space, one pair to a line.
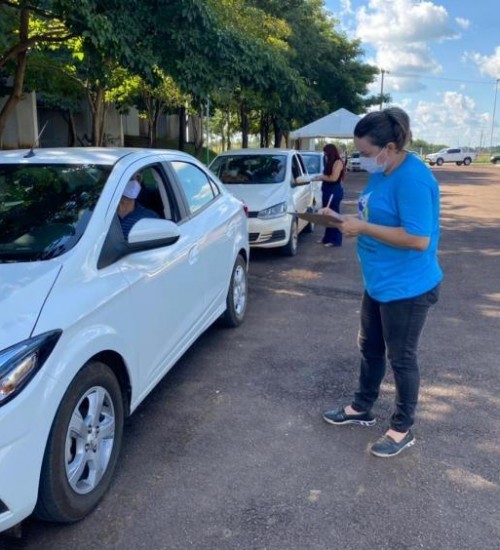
153,127
18,86
96,101
204,130
278,132
264,130
198,128
182,128
72,137
244,125
227,123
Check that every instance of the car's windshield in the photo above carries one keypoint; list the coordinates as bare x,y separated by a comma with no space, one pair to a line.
314,163
45,208
243,169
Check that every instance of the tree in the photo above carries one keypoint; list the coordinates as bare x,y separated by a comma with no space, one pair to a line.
24,24
151,99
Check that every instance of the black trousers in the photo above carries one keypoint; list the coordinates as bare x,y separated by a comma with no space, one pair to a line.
392,330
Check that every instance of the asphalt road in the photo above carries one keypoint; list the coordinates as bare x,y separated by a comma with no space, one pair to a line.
230,451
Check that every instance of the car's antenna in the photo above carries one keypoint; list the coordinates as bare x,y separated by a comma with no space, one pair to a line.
31,153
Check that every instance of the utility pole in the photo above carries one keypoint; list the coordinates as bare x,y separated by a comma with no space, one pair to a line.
493,117
382,72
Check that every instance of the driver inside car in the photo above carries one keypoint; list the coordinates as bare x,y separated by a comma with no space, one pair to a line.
129,210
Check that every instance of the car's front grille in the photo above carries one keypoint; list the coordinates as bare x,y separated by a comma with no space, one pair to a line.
253,214
261,238
3,507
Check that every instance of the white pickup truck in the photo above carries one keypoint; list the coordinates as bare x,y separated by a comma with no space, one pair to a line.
457,155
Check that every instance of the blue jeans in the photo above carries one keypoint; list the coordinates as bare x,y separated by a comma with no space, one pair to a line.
332,234
392,329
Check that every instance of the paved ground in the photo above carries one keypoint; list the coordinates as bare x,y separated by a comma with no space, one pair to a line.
230,451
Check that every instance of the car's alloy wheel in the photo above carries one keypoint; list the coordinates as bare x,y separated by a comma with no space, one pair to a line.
439,162
467,161
83,446
236,301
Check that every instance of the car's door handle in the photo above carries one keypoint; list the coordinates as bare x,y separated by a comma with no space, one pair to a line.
194,254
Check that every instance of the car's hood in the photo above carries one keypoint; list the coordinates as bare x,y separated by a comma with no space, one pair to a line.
258,196
23,290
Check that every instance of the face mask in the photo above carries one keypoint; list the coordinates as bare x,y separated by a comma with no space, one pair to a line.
370,164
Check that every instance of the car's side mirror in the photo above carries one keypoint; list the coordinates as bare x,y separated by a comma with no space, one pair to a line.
146,234
152,230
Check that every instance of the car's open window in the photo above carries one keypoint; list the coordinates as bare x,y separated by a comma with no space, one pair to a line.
156,194
45,208
195,184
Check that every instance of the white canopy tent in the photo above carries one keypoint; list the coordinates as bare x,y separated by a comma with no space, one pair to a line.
339,124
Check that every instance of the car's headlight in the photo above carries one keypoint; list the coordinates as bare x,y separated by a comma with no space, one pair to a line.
275,211
19,363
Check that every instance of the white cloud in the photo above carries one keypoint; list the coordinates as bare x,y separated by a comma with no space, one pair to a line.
403,21
487,64
401,32
463,23
346,7
452,120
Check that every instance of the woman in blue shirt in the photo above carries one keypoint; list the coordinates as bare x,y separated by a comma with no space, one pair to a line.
398,232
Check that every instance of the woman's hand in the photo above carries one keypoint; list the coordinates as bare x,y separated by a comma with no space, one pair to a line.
352,226
325,211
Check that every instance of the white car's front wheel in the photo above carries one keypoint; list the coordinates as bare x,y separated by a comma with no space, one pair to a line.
83,446
236,301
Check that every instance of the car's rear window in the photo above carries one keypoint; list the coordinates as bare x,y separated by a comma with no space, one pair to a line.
250,168
45,208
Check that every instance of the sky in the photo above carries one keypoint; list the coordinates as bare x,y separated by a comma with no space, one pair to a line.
440,61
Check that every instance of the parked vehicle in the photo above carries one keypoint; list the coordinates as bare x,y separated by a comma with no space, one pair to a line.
495,159
91,322
314,161
457,155
353,162
274,184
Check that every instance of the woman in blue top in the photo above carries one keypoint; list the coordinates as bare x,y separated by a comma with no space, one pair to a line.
398,232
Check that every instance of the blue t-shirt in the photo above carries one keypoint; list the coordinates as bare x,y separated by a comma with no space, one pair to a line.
408,198
138,213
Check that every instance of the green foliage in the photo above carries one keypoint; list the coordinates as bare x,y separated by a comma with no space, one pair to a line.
264,63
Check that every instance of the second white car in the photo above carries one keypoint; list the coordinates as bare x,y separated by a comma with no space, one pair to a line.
274,185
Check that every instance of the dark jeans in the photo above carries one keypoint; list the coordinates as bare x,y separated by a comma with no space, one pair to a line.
332,234
392,328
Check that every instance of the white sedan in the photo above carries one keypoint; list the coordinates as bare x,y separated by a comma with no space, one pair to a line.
90,321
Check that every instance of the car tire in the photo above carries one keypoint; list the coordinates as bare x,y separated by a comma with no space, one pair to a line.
459,163
237,295
87,431
290,249
439,162
432,163
467,161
